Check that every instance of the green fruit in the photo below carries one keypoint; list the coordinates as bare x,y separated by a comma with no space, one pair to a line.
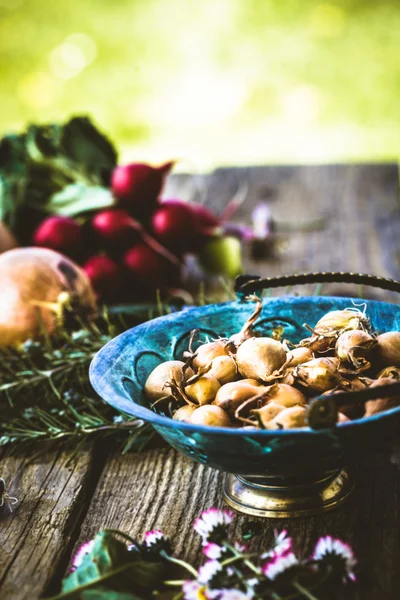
222,256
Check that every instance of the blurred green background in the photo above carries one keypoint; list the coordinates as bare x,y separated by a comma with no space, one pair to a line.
210,81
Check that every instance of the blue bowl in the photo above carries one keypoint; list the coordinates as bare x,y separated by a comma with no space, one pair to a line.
118,373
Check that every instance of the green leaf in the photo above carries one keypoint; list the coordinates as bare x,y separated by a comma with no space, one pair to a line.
85,145
78,198
112,565
102,593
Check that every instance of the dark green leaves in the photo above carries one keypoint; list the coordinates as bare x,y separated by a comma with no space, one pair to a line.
110,571
36,166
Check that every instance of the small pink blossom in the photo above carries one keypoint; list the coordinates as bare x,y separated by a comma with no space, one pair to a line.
330,546
152,537
208,571
192,590
213,551
210,520
282,545
278,564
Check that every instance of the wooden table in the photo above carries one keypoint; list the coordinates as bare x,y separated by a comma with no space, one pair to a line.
65,501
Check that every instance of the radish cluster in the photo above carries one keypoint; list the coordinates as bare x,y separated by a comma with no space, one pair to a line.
139,244
267,383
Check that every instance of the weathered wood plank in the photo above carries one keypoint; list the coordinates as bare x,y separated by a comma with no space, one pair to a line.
35,537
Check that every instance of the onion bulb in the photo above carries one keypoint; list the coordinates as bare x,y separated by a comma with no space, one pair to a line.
231,395
353,346
337,321
210,415
319,374
297,356
260,357
184,413
286,395
224,368
389,373
157,383
388,348
266,413
204,390
36,285
290,418
207,352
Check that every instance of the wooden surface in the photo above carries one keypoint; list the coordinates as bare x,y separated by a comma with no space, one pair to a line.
64,501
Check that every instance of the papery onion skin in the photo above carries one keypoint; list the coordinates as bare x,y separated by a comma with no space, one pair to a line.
297,356
389,373
31,277
260,357
387,350
210,415
341,320
319,374
156,385
354,344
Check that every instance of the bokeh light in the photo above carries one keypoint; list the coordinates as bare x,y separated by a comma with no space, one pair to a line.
214,82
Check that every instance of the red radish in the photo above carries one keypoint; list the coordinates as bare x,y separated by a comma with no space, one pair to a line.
174,225
183,226
150,270
60,233
116,228
138,185
105,275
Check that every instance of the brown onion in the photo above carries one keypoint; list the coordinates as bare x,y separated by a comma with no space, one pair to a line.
268,412
210,415
337,321
224,368
36,285
319,374
260,357
184,413
354,346
203,390
389,373
290,418
157,383
207,352
286,395
297,356
231,395
387,350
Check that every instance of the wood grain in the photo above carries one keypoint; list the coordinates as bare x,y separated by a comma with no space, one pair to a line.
34,538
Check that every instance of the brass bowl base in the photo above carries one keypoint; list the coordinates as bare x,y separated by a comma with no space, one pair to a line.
257,497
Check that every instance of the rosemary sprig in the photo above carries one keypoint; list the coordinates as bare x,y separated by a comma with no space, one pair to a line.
45,394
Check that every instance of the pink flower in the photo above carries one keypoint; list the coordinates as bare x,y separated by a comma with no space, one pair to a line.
283,545
213,551
192,590
212,524
85,549
328,549
208,571
278,564
152,537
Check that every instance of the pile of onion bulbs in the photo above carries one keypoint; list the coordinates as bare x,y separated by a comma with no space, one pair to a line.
267,382
138,245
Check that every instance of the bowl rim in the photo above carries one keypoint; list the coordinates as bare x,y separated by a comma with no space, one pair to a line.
147,415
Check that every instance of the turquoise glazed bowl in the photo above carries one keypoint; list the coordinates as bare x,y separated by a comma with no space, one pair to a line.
118,373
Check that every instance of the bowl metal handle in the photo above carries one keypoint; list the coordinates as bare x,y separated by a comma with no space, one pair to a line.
248,284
